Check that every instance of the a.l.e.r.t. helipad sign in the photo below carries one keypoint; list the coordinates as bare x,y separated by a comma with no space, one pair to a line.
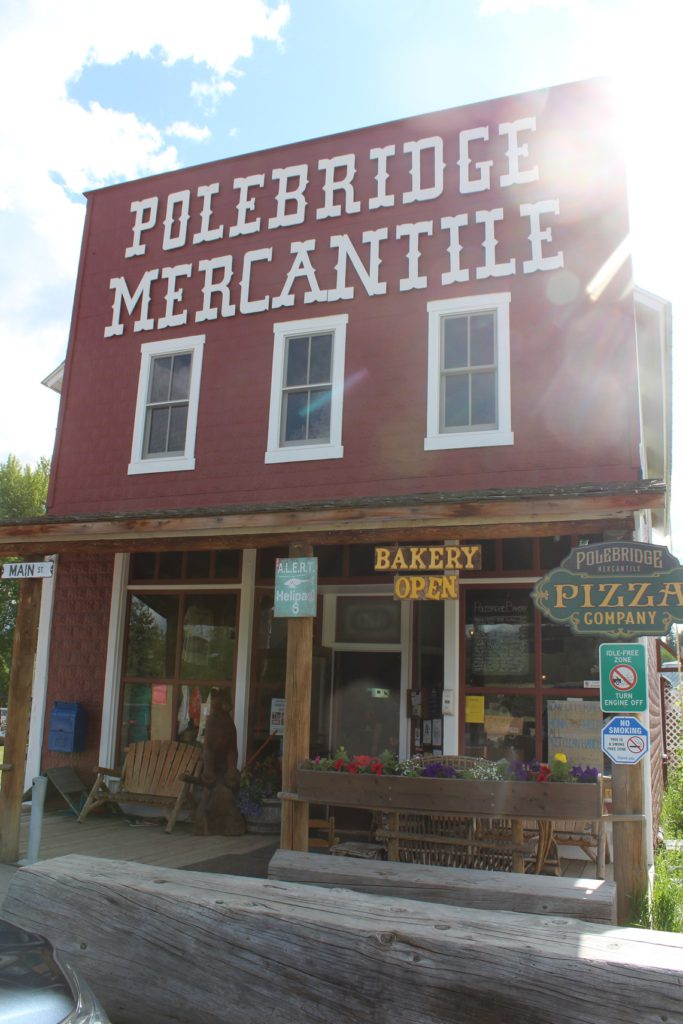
296,588
623,678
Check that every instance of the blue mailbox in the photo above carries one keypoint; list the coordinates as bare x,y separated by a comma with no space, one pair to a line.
67,727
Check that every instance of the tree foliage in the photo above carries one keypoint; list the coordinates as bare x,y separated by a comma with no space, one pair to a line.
23,490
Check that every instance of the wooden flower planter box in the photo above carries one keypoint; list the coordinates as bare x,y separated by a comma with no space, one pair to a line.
553,800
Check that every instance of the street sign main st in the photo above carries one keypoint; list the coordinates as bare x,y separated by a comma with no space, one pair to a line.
623,677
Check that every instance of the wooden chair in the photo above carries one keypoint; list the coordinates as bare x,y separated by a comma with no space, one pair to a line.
151,776
321,834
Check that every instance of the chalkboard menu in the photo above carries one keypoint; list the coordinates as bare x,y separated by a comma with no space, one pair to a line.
499,633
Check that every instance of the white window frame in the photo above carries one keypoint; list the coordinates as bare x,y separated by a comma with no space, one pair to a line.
150,351
436,439
332,449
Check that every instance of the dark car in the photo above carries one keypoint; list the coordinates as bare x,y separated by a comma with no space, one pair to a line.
38,987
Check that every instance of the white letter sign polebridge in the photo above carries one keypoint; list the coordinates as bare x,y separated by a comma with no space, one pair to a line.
625,740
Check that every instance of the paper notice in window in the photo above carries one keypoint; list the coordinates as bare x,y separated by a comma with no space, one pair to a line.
474,709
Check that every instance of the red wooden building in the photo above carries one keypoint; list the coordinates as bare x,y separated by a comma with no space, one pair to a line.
421,331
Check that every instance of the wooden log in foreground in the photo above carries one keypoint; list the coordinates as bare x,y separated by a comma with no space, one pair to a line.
585,898
176,947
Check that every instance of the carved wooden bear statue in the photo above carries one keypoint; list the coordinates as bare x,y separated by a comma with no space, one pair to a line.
217,813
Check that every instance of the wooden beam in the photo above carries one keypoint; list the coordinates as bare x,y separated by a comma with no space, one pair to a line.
18,716
297,731
161,945
629,839
438,517
584,898
414,530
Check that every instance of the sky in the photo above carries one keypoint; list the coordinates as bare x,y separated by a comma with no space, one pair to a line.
99,93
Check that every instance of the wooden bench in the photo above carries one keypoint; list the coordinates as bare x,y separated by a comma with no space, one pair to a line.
151,777
584,898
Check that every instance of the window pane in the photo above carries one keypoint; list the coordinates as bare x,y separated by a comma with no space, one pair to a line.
483,399
508,729
170,565
152,631
157,429
198,565
295,416
319,415
136,719
178,428
482,348
297,362
518,553
208,637
321,359
456,408
160,382
227,564
499,637
455,342
180,383
194,704
566,659
368,620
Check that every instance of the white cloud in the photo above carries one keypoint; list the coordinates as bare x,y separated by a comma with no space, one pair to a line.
53,149
185,130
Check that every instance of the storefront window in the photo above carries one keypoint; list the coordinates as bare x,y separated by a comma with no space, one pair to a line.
567,659
529,684
173,638
498,727
499,637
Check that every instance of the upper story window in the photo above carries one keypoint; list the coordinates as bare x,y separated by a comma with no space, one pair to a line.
307,390
167,403
468,393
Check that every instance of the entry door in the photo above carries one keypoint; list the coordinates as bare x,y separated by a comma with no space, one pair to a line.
367,691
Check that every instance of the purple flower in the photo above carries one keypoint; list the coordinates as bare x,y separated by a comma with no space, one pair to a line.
439,771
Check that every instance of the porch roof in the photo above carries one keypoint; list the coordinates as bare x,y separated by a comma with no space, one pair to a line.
510,512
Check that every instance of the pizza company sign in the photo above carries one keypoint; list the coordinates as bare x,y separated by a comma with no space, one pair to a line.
449,558
623,589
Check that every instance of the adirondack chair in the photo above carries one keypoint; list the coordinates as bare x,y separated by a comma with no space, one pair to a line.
151,776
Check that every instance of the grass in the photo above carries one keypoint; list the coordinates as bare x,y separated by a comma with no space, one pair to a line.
663,907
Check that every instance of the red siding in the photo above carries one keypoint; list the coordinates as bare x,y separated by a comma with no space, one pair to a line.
78,650
573,370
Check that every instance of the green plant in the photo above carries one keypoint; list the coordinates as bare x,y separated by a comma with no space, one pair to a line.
662,907
261,781
672,805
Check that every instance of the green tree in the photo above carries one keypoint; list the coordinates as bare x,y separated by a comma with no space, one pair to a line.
23,491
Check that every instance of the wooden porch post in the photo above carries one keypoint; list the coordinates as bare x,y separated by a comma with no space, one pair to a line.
18,716
294,829
629,853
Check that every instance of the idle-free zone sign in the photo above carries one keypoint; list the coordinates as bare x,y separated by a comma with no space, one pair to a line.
623,677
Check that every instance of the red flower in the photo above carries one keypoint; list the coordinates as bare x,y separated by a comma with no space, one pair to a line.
362,760
339,764
353,768
376,768
544,774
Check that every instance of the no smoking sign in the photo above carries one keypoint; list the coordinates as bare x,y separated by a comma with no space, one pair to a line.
625,740
623,677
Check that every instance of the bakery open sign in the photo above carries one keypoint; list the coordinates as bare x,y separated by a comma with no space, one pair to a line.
425,585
